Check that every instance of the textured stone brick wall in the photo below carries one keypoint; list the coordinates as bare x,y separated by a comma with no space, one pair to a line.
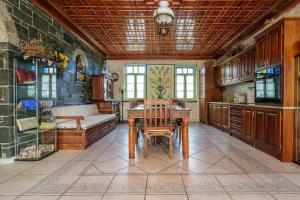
19,21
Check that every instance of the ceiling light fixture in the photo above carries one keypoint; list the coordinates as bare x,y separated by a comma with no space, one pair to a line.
163,17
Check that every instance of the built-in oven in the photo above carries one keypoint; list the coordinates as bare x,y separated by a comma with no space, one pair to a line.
268,85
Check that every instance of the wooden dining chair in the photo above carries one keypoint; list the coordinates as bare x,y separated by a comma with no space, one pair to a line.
158,122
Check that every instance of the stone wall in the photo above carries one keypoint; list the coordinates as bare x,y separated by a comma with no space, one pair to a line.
20,20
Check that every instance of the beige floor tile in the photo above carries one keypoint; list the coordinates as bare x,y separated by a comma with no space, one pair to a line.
175,170
259,155
281,167
274,183
19,184
16,167
153,165
293,177
128,184
238,183
132,169
194,165
45,167
202,184
63,155
92,170
224,166
251,197
73,167
165,184
166,197
38,197
139,156
112,165
210,155
4,177
105,156
85,197
8,197
123,197
53,185
209,197
164,156
91,185
286,196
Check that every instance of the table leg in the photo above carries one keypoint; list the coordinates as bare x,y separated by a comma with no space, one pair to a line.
131,138
185,138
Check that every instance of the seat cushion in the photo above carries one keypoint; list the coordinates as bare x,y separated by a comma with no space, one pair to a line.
77,110
88,122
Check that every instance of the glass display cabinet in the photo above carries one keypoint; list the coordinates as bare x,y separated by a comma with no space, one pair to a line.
35,102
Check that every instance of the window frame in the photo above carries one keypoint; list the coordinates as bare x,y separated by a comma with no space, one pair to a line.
185,84
135,82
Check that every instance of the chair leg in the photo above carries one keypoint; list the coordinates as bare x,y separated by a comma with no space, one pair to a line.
137,136
170,151
146,139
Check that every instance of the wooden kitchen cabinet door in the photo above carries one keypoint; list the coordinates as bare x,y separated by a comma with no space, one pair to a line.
234,69
261,52
259,127
275,45
273,132
225,118
248,125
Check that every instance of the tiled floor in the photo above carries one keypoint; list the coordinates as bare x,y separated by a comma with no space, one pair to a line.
220,167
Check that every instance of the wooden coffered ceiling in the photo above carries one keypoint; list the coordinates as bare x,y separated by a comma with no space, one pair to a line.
124,29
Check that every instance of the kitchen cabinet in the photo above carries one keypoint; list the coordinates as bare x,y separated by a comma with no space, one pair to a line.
234,69
275,45
236,121
261,52
248,125
219,115
238,69
225,117
269,47
267,130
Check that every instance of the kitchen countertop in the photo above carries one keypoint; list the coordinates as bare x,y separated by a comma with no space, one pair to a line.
254,105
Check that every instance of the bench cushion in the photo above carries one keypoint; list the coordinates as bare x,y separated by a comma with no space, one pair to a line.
88,122
77,110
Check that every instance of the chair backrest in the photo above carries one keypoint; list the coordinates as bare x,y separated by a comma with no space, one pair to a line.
157,114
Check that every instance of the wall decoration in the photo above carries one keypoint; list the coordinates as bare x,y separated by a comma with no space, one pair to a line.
80,68
160,82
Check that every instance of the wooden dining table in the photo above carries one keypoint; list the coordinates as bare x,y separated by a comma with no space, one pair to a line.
178,112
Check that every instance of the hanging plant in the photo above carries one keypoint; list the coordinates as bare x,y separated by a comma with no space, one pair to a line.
160,82
33,48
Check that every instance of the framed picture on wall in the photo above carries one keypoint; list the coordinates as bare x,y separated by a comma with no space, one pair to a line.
80,75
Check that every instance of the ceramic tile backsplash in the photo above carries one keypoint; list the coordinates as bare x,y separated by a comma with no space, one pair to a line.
237,88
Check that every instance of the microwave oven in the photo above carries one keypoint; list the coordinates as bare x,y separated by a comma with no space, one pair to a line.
268,85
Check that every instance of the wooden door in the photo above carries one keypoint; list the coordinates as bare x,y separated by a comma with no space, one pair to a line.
273,132
262,52
98,89
247,125
225,118
259,130
202,110
275,45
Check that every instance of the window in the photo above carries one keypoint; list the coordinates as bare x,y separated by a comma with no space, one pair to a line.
135,76
185,82
49,82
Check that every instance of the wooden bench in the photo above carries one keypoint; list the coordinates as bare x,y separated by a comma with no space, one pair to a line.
82,125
